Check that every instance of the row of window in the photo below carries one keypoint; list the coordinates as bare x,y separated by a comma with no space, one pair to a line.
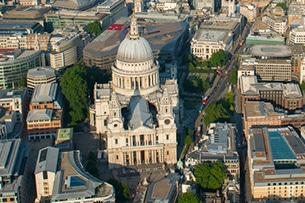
142,141
290,183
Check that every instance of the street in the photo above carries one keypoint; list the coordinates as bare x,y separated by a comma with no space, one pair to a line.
216,92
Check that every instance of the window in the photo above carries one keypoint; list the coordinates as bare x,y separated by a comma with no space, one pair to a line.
167,137
116,141
157,139
167,153
45,175
117,157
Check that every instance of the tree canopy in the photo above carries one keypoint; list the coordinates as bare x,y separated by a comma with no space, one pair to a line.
302,86
233,77
188,197
188,140
122,192
91,166
74,87
94,28
210,175
215,112
219,58
22,82
282,5
228,99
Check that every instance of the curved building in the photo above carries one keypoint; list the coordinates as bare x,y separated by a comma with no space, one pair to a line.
136,116
15,63
40,75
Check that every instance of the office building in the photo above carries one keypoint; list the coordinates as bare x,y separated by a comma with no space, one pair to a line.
65,18
217,33
250,11
39,75
60,177
45,115
284,96
166,188
259,113
20,28
276,19
66,50
273,62
218,143
13,158
260,33
275,172
15,63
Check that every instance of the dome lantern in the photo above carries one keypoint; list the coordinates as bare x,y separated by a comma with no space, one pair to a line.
134,30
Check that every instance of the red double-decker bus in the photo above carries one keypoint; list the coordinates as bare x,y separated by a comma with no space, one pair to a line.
205,100
219,73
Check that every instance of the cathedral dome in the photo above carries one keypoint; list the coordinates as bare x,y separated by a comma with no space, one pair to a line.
134,50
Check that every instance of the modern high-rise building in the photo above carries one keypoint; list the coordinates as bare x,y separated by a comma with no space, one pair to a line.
137,117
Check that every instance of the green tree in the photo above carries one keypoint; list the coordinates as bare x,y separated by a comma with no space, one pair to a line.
229,97
195,83
74,87
282,5
122,192
22,83
205,85
188,197
126,191
191,68
215,112
302,86
232,108
233,77
219,58
91,166
188,140
210,175
94,28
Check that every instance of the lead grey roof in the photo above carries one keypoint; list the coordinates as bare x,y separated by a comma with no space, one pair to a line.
47,160
41,72
140,115
9,157
40,114
45,93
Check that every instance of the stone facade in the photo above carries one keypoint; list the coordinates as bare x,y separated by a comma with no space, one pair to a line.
136,117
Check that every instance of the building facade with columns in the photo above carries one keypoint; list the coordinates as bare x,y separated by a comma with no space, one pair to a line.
136,116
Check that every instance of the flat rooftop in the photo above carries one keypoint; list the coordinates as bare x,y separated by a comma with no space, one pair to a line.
259,109
41,72
274,50
250,86
163,188
210,35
